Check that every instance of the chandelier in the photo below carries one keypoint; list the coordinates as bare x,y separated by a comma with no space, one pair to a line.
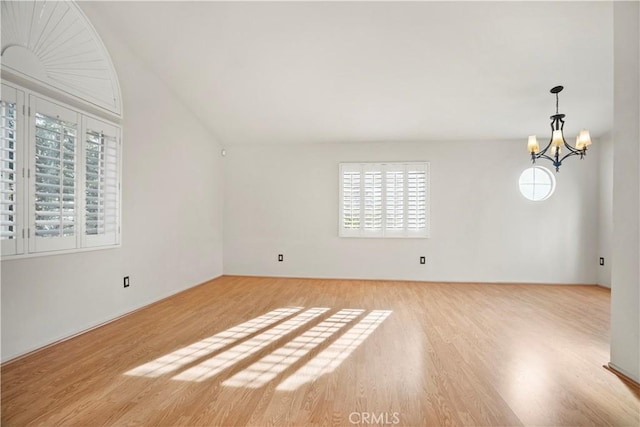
553,150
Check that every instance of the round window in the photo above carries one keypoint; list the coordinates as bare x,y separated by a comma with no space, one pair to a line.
537,183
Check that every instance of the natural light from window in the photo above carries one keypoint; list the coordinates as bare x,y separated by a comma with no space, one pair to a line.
267,368
173,361
228,358
295,332
537,183
329,359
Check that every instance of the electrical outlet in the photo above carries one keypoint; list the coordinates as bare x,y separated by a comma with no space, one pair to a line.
423,260
280,257
126,281
601,261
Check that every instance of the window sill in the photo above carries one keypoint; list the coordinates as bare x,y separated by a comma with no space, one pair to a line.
16,257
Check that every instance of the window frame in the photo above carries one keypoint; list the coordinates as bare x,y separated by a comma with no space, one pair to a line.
384,167
523,182
27,245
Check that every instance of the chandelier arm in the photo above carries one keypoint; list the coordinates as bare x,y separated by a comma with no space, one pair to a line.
571,149
541,155
573,153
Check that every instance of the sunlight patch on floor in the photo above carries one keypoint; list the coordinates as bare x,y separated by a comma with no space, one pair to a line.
228,358
271,327
175,360
330,358
270,366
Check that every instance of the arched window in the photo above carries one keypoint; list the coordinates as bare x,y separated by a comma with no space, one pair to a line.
60,139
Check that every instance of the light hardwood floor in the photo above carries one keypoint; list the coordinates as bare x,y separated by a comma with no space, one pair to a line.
268,351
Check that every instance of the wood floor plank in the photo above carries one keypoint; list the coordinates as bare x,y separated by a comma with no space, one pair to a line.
417,354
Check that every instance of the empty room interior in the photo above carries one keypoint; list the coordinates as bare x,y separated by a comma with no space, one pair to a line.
320,213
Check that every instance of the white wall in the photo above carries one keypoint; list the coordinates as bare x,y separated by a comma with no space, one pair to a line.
625,274
172,224
605,208
284,199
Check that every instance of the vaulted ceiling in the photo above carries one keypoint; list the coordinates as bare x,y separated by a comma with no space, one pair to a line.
306,72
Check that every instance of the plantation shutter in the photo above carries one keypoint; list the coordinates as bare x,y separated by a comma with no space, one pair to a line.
101,186
395,200
372,201
384,199
54,221
416,200
350,200
60,173
11,158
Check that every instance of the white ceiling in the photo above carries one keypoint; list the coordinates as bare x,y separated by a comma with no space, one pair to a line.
296,72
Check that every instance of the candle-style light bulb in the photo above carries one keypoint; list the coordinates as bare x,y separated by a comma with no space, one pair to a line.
557,140
583,140
532,145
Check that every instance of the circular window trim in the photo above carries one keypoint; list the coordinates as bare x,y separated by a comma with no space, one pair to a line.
532,171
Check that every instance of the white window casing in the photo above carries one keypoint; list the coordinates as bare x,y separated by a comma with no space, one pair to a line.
537,183
384,200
